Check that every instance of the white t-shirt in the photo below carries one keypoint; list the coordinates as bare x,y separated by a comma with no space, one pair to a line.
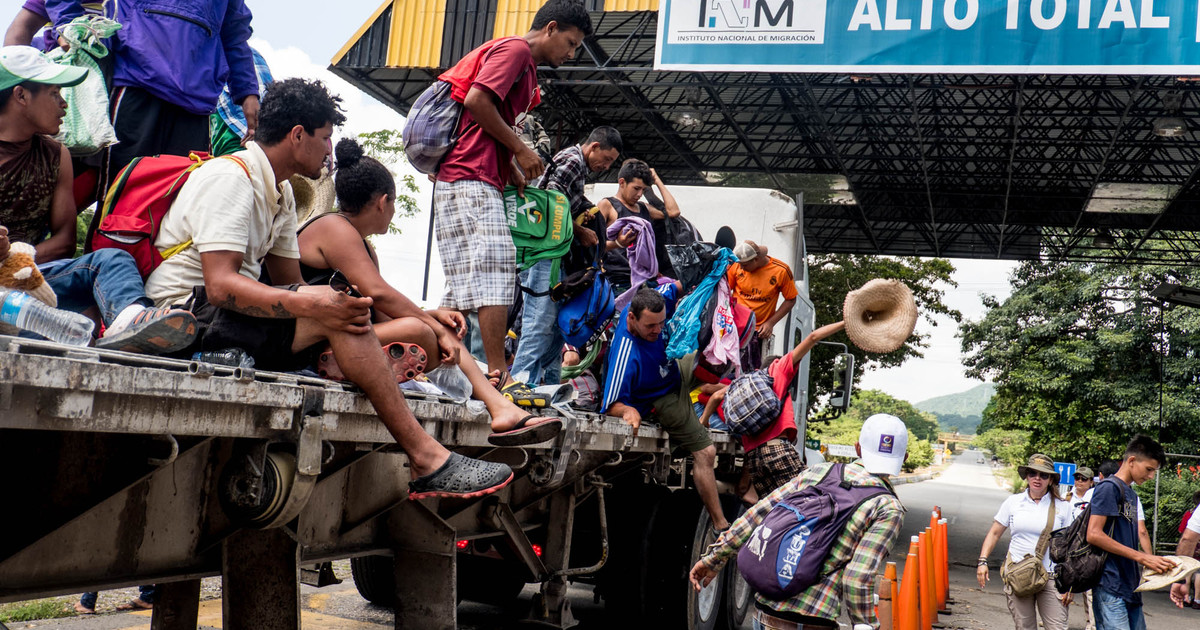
1193,523
1079,504
221,209
1026,519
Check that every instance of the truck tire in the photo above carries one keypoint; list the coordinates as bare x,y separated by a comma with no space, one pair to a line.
374,579
705,609
738,595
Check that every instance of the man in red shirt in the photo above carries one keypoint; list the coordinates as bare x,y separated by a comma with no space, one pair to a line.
772,458
477,251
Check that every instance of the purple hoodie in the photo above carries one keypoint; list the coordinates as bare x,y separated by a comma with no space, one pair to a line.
181,51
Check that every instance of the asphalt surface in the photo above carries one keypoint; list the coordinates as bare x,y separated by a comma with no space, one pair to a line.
967,492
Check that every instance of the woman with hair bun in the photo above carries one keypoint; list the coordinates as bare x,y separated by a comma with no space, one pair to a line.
366,195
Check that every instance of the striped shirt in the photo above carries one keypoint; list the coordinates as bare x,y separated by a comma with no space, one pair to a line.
638,370
859,551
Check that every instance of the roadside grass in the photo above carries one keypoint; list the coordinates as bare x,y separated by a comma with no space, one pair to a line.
51,608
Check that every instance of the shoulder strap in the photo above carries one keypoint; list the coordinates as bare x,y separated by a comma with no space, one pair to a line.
171,251
1044,539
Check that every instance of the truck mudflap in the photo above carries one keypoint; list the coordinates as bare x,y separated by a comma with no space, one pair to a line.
138,469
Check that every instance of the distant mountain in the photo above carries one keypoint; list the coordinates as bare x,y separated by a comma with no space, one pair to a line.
963,410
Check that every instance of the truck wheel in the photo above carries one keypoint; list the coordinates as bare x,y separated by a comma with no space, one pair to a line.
738,595
374,579
705,608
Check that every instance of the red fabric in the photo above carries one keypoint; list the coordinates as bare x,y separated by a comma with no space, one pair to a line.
783,371
505,69
1183,524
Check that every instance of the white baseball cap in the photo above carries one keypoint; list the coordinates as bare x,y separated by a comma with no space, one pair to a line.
884,441
19,64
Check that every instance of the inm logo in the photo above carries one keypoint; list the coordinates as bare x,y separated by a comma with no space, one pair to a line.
735,14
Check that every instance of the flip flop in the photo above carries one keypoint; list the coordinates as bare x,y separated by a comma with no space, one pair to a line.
461,477
524,433
136,604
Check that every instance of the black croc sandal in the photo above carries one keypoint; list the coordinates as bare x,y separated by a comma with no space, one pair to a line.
461,477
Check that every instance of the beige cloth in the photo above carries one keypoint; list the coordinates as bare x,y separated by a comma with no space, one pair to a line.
1046,603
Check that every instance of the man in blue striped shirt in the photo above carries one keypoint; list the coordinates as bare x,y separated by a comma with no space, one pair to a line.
641,380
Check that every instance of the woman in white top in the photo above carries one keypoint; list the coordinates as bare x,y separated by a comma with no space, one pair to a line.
1026,515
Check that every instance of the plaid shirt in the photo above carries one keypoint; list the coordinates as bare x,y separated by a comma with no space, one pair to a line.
568,173
861,548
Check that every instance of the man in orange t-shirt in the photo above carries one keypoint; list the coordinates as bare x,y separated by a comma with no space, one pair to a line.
757,281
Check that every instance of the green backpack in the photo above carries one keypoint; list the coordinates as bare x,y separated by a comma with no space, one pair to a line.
541,226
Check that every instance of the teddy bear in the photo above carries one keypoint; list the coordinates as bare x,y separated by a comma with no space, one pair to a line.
19,271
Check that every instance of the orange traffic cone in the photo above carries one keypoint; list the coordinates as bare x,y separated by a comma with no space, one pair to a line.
935,564
909,608
944,536
886,587
925,581
890,573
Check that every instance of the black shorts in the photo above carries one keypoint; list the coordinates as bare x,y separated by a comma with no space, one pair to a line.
268,341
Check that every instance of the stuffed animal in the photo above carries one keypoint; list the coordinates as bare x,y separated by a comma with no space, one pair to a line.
19,271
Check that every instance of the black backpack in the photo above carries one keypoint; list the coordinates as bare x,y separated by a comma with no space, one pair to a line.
1080,563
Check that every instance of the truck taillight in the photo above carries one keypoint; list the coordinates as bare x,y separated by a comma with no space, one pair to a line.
537,550
463,544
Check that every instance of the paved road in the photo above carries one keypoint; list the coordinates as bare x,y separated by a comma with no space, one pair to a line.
967,492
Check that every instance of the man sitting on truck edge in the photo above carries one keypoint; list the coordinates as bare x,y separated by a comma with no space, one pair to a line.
478,256
36,199
857,554
642,380
539,354
1115,603
238,225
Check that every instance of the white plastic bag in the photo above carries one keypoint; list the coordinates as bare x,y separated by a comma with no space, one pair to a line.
86,128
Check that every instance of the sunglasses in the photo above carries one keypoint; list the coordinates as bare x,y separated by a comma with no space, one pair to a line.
339,282
1039,475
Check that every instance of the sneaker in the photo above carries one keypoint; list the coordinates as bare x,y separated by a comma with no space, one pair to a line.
521,395
153,331
461,477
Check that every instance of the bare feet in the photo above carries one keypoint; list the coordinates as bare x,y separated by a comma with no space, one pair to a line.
84,610
136,604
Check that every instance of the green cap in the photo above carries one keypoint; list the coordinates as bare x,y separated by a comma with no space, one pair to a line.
19,64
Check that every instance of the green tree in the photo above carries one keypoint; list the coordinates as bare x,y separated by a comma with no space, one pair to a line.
1077,352
832,276
387,146
844,429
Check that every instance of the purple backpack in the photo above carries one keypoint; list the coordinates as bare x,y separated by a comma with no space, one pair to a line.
785,553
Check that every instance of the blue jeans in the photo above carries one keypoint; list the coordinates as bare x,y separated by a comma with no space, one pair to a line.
1113,613
106,278
539,353
148,594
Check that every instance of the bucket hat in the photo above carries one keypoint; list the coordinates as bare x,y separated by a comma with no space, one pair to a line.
880,316
1184,566
1040,463
1084,471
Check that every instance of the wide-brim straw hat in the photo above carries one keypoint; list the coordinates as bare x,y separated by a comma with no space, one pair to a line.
880,316
1184,566
1040,463
314,197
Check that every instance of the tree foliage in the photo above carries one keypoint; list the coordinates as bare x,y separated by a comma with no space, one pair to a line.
1077,353
387,146
922,427
832,276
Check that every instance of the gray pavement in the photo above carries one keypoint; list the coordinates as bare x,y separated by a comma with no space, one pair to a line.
967,493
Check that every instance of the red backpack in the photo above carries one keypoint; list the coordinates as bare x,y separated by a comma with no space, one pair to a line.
137,201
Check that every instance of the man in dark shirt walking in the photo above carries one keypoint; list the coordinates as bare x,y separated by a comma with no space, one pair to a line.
1114,507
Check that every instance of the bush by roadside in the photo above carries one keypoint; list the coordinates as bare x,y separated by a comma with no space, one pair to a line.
1175,489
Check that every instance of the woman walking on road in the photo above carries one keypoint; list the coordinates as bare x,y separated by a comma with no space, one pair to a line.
1031,516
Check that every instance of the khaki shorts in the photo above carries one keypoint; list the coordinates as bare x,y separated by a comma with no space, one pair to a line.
674,412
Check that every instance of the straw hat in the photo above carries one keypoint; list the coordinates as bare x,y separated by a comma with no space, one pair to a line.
1040,463
1184,566
314,197
880,316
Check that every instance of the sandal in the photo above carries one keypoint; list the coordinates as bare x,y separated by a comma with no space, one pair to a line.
521,395
524,434
153,331
461,477
407,360
136,604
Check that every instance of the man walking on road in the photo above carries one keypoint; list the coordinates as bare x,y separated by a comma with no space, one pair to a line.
856,556
1114,507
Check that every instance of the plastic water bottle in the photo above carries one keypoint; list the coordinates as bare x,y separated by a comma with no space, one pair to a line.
233,357
19,309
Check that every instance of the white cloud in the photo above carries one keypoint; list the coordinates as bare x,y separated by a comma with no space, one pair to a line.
401,257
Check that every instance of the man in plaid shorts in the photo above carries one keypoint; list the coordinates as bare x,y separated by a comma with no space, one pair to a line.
772,458
477,251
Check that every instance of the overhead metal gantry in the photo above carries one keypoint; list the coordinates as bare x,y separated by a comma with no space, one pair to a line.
971,166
